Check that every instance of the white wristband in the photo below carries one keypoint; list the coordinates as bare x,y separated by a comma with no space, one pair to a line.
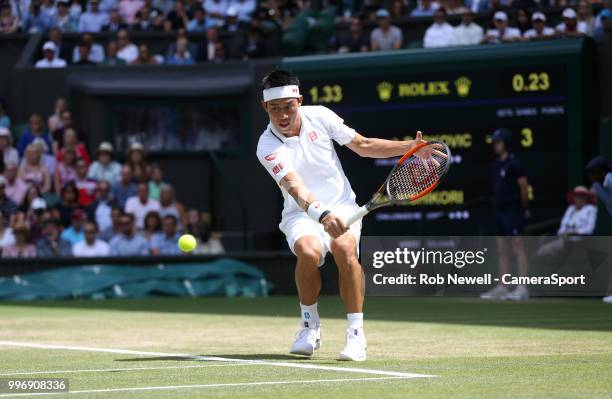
316,210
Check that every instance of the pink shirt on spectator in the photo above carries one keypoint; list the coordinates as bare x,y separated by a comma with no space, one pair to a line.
16,191
29,251
129,8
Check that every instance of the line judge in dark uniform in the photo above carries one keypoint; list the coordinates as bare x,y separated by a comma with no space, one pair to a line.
511,197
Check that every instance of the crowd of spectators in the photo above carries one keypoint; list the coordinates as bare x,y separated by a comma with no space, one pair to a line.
58,200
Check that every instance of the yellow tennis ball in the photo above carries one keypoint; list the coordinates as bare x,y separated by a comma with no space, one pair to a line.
187,243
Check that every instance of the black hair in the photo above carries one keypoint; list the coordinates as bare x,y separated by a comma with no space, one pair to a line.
279,78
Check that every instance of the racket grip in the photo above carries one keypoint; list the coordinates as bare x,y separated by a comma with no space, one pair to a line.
361,212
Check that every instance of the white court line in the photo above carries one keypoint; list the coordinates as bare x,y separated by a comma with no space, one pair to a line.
122,369
236,384
217,359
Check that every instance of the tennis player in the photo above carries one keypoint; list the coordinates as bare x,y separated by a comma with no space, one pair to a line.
297,150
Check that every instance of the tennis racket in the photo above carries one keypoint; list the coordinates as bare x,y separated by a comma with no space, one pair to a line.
415,175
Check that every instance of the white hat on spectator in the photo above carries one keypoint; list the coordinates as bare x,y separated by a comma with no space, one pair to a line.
232,12
39,203
538,16
569,13
4,131
49,46
500,16
382,13
106,147
136,146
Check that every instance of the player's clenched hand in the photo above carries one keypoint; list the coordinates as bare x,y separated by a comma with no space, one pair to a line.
334,225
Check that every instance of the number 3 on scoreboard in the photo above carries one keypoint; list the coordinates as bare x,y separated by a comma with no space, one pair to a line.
526,137
534,82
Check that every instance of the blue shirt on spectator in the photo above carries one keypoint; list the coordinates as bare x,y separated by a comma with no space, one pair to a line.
37,23
166,245
505,185
73,236
121,193
27,137
604,192
111,172
44,248
121,245
92,22
175,60
194,26
5,121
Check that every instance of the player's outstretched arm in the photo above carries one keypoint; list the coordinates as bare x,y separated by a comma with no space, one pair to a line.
381,148
294,185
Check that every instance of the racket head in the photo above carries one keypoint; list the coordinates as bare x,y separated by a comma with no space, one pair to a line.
418,172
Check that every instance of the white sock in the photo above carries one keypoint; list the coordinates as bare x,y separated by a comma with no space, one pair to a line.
310,315
355,320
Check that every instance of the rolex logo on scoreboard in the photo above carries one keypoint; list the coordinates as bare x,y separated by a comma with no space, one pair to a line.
385,89
463,85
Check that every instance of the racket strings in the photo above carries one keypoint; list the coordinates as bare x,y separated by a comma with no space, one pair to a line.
416,175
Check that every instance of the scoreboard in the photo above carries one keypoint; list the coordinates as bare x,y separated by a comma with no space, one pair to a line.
538,91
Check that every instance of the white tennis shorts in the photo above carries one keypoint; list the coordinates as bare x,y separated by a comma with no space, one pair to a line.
299,224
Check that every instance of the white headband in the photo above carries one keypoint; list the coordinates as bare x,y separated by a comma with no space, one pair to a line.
275,93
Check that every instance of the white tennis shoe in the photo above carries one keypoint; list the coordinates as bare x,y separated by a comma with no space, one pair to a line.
355,348
308,340
520,293
496,293
607,299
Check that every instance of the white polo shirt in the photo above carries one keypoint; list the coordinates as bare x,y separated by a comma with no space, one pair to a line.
531,33
311,155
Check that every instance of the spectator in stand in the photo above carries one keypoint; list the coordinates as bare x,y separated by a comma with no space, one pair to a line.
9,153
7,206
49,60
74,233
137,160
425,8
7,238
83,56
22,247
48,159
92,20
128,242
502,33
211,47
52,245
540,30
76,9
33,171
115,228
386,36
157,181
600,175
523,24
100,210
398,9
95,50
91,246
34,218
111,55
455,7
65,172
179,17
217,10
15,188
182,56
231,24
126,187
85,185
58,136
61,50
440,33
144,56
467,32
55,121
36,21
165,243
253,46
70,139
115,23
244,8
69,201
570,27
143,22
9,23
200,22
105,167
209,242
355,41
31,194
170,206
63,20
579,218
128,9
152,226
128,51
585,14
49,8
140,204
181,36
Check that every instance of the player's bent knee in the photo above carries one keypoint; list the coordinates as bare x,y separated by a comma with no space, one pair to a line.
308,249
344,246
